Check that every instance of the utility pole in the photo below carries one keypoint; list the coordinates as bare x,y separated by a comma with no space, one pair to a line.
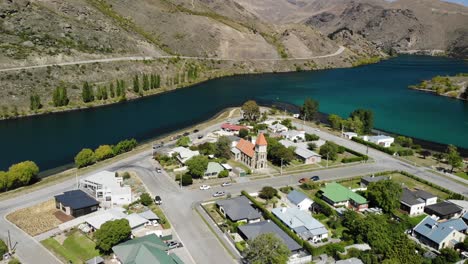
327,159
281,168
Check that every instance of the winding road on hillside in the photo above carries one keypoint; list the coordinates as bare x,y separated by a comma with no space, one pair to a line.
147,58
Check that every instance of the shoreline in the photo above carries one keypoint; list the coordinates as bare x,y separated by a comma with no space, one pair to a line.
437,94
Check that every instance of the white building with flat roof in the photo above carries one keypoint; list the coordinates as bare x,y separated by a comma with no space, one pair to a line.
384,141
104,186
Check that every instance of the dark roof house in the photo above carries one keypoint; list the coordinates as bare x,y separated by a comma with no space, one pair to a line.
143,250
365,181
444,210
251,231
76,203
238,209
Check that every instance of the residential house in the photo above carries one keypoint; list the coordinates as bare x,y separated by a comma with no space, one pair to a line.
302,223
337,195
294,135
227,167
76,203
251,231
461,203
439,235
365,181
300,200
277,128
349,261
232,128
150,216
238,209
254,155
465,217
143,250
349,135
382,140
212,170
104,186
97,220
184,154
302,153
444,210
414,202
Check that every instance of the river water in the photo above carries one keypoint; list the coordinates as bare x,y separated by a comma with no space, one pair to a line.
53,140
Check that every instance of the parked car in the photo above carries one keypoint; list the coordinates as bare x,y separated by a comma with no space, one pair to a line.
186,134
158,170
315,178
173,244
157,200
196,131
205,187
219,194
225,184
318,130
302,180
200,136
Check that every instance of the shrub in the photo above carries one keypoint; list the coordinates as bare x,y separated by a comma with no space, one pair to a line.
311,137
405,152
309,185
267,192
145,199
14,261
187,179
126,175
3,248
286,189
353,159
124,146
223,174
104,152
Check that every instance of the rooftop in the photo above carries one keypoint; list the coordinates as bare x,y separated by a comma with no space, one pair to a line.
380,137
247,147
112,214
232,127
299,149
214,167
104,178
76,199
251,231
296,197
239,208
444,208
300,221
437,232
143,250
149,215
410,197
338,193
261,140
369,179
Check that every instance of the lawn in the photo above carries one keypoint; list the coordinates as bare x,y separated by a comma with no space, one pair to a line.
162,217
214,214
462,174
36,219
353,184
417,219
76,248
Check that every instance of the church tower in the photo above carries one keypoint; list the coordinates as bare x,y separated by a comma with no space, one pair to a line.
261,152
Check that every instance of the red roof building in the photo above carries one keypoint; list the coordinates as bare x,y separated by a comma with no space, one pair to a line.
252,155
231,127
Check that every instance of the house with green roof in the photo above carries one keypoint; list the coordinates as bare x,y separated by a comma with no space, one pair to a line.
338,196
212,170
143,250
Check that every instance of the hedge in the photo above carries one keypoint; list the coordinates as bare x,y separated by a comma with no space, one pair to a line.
353,159
267,214
360,156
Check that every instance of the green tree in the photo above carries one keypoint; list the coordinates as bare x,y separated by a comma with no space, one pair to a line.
145,199
223,148
447,255
309,109
5,182
312,146
384,194
404,141
223,174
124,146
23,173
35,102
243,133
146,84
453,157
187,179
354,124
267,248
251,111
276,152
136,84
104,152
183,142
267,192
197,166
87,93
112,233
3,248
207,148
85,158
60,97
111,90
330,150
335,121
367,118
311,137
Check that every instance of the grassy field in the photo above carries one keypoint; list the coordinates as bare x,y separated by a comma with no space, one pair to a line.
36,219
410,183
211,210
76,248
462,174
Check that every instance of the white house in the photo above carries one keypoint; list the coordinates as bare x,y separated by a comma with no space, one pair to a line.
294,135
381,140
302,152
302,223
135,221
414,202
184,154
349,135
300,200
277,128
104,186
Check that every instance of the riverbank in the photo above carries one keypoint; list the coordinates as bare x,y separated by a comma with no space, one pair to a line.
449,86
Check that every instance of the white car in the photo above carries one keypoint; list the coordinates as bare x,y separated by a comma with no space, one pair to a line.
225,184
318,130
219,194
205,187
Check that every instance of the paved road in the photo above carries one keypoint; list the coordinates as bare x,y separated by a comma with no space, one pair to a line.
143,58
178,204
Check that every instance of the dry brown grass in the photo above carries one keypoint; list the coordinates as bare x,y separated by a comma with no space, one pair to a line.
36,219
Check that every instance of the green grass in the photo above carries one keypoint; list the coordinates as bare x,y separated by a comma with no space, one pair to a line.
417,219
76,248
411,183
462,174
162,217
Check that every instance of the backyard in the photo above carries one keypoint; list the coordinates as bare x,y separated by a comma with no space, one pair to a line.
76,247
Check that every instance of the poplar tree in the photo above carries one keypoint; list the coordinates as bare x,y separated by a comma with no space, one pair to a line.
146,85
136,84
87,93
111,90
35,102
